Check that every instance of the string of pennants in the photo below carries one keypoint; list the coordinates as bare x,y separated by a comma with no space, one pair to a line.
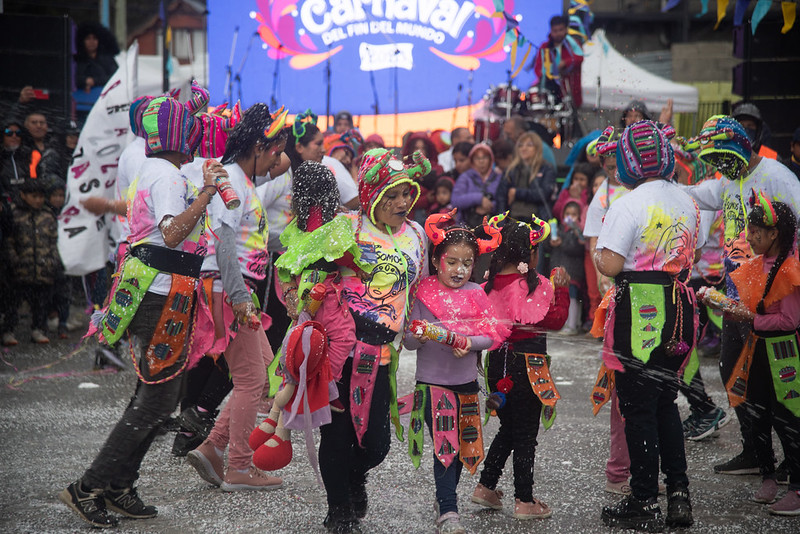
789,9
580,21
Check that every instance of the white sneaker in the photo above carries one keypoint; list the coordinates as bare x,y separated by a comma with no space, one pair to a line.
37,336
52,324
449,524
9,340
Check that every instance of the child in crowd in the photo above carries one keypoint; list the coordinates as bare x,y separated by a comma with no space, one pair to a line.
317,241
518,372
447,387
460,159
442,195
769,291
56,195
33,254
578,190
569,249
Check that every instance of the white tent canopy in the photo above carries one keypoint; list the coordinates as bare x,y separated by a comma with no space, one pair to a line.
618,81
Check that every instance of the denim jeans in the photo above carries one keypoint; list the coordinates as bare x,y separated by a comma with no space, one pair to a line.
342,462
117,464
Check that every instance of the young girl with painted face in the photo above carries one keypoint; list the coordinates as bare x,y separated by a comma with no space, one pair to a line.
357,440
768,286
451,323
518,373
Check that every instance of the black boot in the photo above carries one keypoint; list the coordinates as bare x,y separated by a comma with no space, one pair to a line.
679,508
358,495
630,512
341,520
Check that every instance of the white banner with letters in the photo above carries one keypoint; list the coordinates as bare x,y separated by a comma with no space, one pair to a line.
83,238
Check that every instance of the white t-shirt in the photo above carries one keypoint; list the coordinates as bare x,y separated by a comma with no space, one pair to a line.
775,180
654,227
160,190
248,222
348,190
709,265
446,160
606,195
276,197
127,166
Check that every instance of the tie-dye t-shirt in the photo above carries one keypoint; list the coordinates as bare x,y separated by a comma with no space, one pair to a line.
129,162
653,227
709,266
382,296
606,195
248,222
775,180
160,190
276,197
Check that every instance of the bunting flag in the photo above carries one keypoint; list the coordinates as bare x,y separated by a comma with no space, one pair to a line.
722,6
762,7
704,9
789,13
83,240
740,11
669,5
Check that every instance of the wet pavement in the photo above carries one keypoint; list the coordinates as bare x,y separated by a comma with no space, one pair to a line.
53,424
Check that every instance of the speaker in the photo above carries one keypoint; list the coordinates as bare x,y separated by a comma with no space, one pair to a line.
37,51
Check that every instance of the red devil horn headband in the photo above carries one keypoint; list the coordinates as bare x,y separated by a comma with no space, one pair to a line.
436,226
495,238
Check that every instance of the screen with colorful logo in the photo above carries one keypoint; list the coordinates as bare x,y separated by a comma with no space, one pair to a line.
398,55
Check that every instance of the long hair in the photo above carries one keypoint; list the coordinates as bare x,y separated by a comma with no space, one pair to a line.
536,163
787,229
249,133
292,142
515,248
313,184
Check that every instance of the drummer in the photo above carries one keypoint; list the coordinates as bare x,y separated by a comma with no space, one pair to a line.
558,63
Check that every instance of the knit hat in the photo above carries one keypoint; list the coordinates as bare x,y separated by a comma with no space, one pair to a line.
344,140
482,146
216,126
169,126
377,139
381,171
135,114
724,144
643,151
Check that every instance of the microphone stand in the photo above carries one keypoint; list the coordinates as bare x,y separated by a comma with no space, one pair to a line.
375,106
238,76
455,109
328,90
229,68
273,101
396,97
508,96
469,97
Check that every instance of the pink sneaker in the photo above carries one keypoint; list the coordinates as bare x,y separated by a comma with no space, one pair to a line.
531,510
788,505
207,462
488,498
618,488
254,479
767,492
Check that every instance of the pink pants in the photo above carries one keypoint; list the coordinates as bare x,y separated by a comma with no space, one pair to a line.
248,356
618,467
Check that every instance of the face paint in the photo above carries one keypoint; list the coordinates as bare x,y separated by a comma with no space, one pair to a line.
455,265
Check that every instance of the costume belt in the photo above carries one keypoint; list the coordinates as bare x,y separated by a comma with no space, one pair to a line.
168,260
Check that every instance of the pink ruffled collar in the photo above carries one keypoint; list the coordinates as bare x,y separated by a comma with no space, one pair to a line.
513,303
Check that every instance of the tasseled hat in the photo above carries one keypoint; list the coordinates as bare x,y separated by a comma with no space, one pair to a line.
216,127
643,151
381,171
169,126
724,144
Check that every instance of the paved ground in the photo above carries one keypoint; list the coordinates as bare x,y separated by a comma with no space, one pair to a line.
52,426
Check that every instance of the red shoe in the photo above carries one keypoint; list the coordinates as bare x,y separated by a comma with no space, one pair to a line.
260,435
269,458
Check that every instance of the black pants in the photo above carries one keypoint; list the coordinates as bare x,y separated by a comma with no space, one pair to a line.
117,464
733,338
766,413
647,393
695,392
519,426
207,384
274,308
38,297
342,462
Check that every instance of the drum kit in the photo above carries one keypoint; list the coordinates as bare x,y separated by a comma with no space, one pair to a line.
546,113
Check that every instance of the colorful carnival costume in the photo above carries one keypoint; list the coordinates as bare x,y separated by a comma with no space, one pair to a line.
153,302
446,394
310,267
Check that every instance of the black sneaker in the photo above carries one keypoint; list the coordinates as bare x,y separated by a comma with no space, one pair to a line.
341,520
193,420
183,444
630,512
127,502
782,473
89,505
679,508
358,499
742,464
